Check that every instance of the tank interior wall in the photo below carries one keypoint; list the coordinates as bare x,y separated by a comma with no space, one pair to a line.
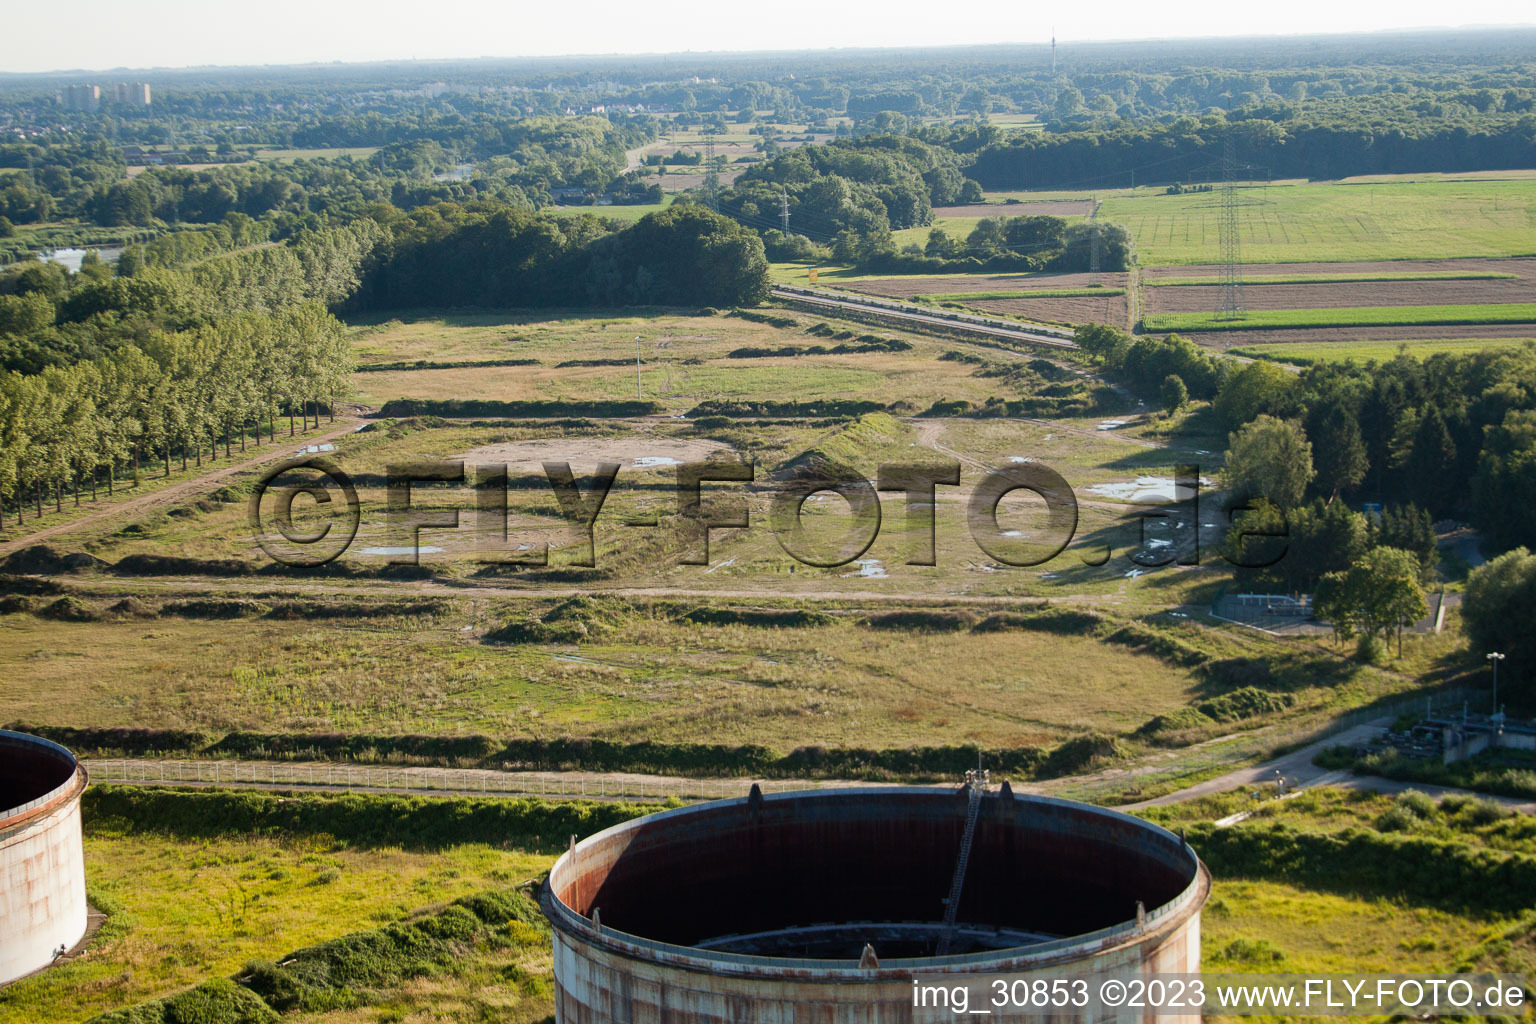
596,986
663,883
1050,866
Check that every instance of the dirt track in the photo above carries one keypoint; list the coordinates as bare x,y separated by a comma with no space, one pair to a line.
175,494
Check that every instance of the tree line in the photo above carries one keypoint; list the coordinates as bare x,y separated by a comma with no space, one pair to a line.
1454,434
176,396
493,255
102,370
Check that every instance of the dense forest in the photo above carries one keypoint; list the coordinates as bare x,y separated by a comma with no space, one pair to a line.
1452,435
105,368
910,130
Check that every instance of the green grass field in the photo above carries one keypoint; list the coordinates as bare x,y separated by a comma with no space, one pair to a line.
1262,279
1308,354
1388,218
1336,223
356,152
183,911
1358,316
624,213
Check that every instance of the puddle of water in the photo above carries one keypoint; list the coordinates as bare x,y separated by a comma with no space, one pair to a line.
578,659
71,258
722,565
1144,488
869,569
1013,533
652,461
425,549
1047,575
1020,458
1112,424
1133,574
316,449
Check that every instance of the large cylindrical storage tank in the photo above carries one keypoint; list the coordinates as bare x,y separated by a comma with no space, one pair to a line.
42,860
757,910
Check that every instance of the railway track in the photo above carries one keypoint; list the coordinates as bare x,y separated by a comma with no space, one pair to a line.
995,327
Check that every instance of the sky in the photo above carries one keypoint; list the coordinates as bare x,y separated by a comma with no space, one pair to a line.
105,34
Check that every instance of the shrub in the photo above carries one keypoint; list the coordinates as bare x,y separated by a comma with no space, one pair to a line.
67,609
1237,673
1371,650
1169,649
175,565
1245,703
1061,621
220,1001
917,620
783,618
571,621
210,608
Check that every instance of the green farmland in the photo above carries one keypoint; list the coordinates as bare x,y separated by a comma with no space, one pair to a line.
1337,223
1358,316
1310,353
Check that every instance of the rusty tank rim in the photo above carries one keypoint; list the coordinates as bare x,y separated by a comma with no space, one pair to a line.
73,774
1157,922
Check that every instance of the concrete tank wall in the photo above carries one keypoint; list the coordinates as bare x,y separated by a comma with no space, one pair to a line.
631,905
42,861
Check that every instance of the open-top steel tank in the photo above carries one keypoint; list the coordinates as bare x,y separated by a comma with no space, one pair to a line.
825,905
42,863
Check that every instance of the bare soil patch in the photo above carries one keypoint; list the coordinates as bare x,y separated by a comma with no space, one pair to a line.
1108,309
1342,295
585,452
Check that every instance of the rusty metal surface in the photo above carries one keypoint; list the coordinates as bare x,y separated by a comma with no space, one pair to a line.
42,866
664,882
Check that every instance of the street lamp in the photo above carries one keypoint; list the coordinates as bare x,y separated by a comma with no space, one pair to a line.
637,366
1495,657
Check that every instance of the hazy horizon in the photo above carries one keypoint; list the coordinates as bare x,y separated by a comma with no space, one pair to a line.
173,35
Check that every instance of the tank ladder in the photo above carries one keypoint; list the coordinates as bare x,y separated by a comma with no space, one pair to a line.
976,784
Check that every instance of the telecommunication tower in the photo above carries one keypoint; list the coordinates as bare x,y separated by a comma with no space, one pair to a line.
784,210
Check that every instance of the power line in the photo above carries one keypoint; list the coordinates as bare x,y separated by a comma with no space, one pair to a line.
1232,306
712,172
1095,250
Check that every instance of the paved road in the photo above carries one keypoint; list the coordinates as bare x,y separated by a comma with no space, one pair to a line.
1301,773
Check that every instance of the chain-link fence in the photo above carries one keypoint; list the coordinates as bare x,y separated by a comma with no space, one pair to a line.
1180,768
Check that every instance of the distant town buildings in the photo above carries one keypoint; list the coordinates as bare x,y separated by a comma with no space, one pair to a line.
82,97
89,97
135,94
